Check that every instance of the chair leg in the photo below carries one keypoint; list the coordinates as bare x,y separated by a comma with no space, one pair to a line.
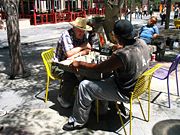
120,117
130,116
149,91
47,87
177,83
97,110
168,92
142,109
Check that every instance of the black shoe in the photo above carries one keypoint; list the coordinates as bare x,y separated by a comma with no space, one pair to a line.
71,126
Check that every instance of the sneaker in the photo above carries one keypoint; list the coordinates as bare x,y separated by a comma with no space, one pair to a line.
63,103
72,125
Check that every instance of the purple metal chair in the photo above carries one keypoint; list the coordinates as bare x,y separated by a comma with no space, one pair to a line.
163,74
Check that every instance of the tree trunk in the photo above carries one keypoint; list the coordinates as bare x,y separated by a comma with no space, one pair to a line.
112,14
168,11
10,8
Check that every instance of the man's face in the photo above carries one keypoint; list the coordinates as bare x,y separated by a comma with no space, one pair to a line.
151,21
79,33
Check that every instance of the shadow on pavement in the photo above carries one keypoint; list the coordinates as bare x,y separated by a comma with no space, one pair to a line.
107,122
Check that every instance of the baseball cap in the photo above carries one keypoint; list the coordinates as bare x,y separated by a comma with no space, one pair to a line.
124,29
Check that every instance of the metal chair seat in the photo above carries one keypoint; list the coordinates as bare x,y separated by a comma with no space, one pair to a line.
161,73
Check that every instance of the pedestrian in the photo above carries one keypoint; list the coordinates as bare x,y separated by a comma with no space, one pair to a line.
145,9
140,12
72,42
163,15
136,12
127,13
127,64
1,22
176,12
151,10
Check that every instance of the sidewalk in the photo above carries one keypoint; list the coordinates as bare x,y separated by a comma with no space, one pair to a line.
27,114
46,32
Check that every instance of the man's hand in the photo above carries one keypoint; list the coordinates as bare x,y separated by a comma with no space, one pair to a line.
116,47
84,52
155,36
86,46
74,66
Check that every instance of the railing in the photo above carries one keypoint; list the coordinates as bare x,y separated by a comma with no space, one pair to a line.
55,17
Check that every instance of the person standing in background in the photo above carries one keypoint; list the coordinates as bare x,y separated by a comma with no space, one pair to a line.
140,12
163,15
151,10
127,13
145,10
136,12
176,12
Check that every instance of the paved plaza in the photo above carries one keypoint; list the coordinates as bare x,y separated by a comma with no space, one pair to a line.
28,114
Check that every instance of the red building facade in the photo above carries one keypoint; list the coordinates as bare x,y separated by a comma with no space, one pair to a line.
54,11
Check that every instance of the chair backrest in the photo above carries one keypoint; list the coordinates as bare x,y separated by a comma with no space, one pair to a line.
144,81
176,22
174,64
47,59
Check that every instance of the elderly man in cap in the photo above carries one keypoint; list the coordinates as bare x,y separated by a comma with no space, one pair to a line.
72,42
129,59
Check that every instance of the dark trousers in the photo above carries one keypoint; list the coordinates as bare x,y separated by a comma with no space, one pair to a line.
163,18
70,81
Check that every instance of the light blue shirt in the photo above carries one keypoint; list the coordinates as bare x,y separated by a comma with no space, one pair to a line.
147,32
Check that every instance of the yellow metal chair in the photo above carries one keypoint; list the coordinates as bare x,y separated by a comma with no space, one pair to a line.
142,86
177,23
47,59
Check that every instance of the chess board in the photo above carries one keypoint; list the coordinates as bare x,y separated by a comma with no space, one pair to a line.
93,57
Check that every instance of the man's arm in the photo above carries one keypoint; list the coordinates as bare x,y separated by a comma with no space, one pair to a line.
140,31
107,66
77,50
83,52
156,32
